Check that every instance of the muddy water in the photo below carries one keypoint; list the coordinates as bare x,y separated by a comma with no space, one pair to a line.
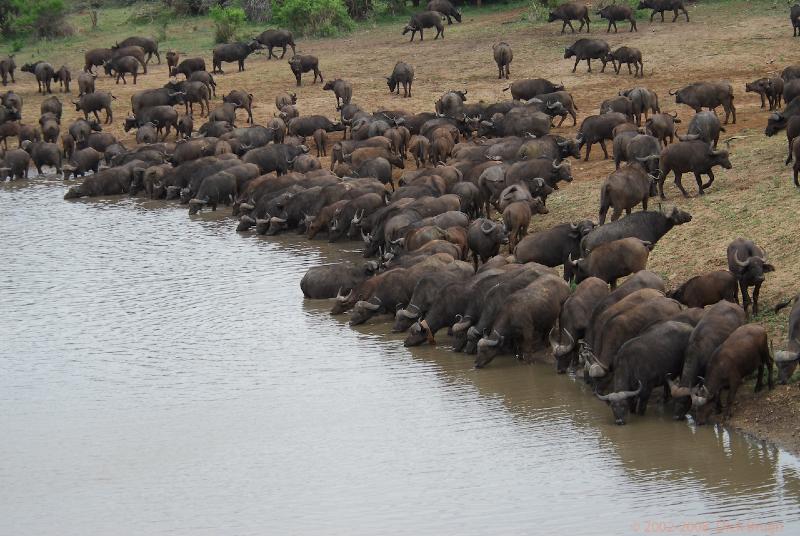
162,375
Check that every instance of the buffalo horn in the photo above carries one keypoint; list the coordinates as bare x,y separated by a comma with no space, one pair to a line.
786,357
462,324
489,229
739,261
561,349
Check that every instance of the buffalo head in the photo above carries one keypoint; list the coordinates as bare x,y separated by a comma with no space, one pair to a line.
619,403
787,362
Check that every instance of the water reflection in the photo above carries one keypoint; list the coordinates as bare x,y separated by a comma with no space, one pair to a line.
160,374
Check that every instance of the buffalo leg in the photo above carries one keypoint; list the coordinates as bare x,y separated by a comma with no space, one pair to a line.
679,185
745,296
564,27
617,213
282,53
756,292
603,147
608,30
795,171
576,64
629,69
653,14
297,77
588,150
633,26
589,63
710,180
643,398
699,180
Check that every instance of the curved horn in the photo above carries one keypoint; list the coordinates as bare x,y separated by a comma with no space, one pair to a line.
341,298
246,206
672,92
738,261
462,324
562,164
489,229
786,357
368,305
408,313
560,350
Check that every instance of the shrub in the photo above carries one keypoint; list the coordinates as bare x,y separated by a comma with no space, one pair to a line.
257,10
41,18
322,18
227,22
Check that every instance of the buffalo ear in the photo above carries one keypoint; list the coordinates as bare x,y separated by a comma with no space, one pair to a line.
769,268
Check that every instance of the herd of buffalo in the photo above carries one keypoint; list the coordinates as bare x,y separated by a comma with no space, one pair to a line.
447,242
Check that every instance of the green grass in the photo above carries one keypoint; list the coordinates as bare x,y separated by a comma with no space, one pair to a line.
191,35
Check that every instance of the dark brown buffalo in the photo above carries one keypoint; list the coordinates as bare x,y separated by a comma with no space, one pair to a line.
300,64
587,49
744,352
716,325
342,90
503,55
554,247
624,189
525,320
643,363
150,46
96,57
569,12
276,38
769,89
613,260
660,6
573,321
662,127
787,360
707,289
614,13
402,74
697,157
748,262
629,56
621,323
598,129
709,95
422,20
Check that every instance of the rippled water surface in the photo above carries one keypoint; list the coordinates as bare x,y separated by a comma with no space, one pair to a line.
160,374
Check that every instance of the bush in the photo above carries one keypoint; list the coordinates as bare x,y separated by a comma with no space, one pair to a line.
257,10
227,22
41,18
322,18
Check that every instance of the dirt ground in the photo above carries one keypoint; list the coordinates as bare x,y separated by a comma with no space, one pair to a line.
735,42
